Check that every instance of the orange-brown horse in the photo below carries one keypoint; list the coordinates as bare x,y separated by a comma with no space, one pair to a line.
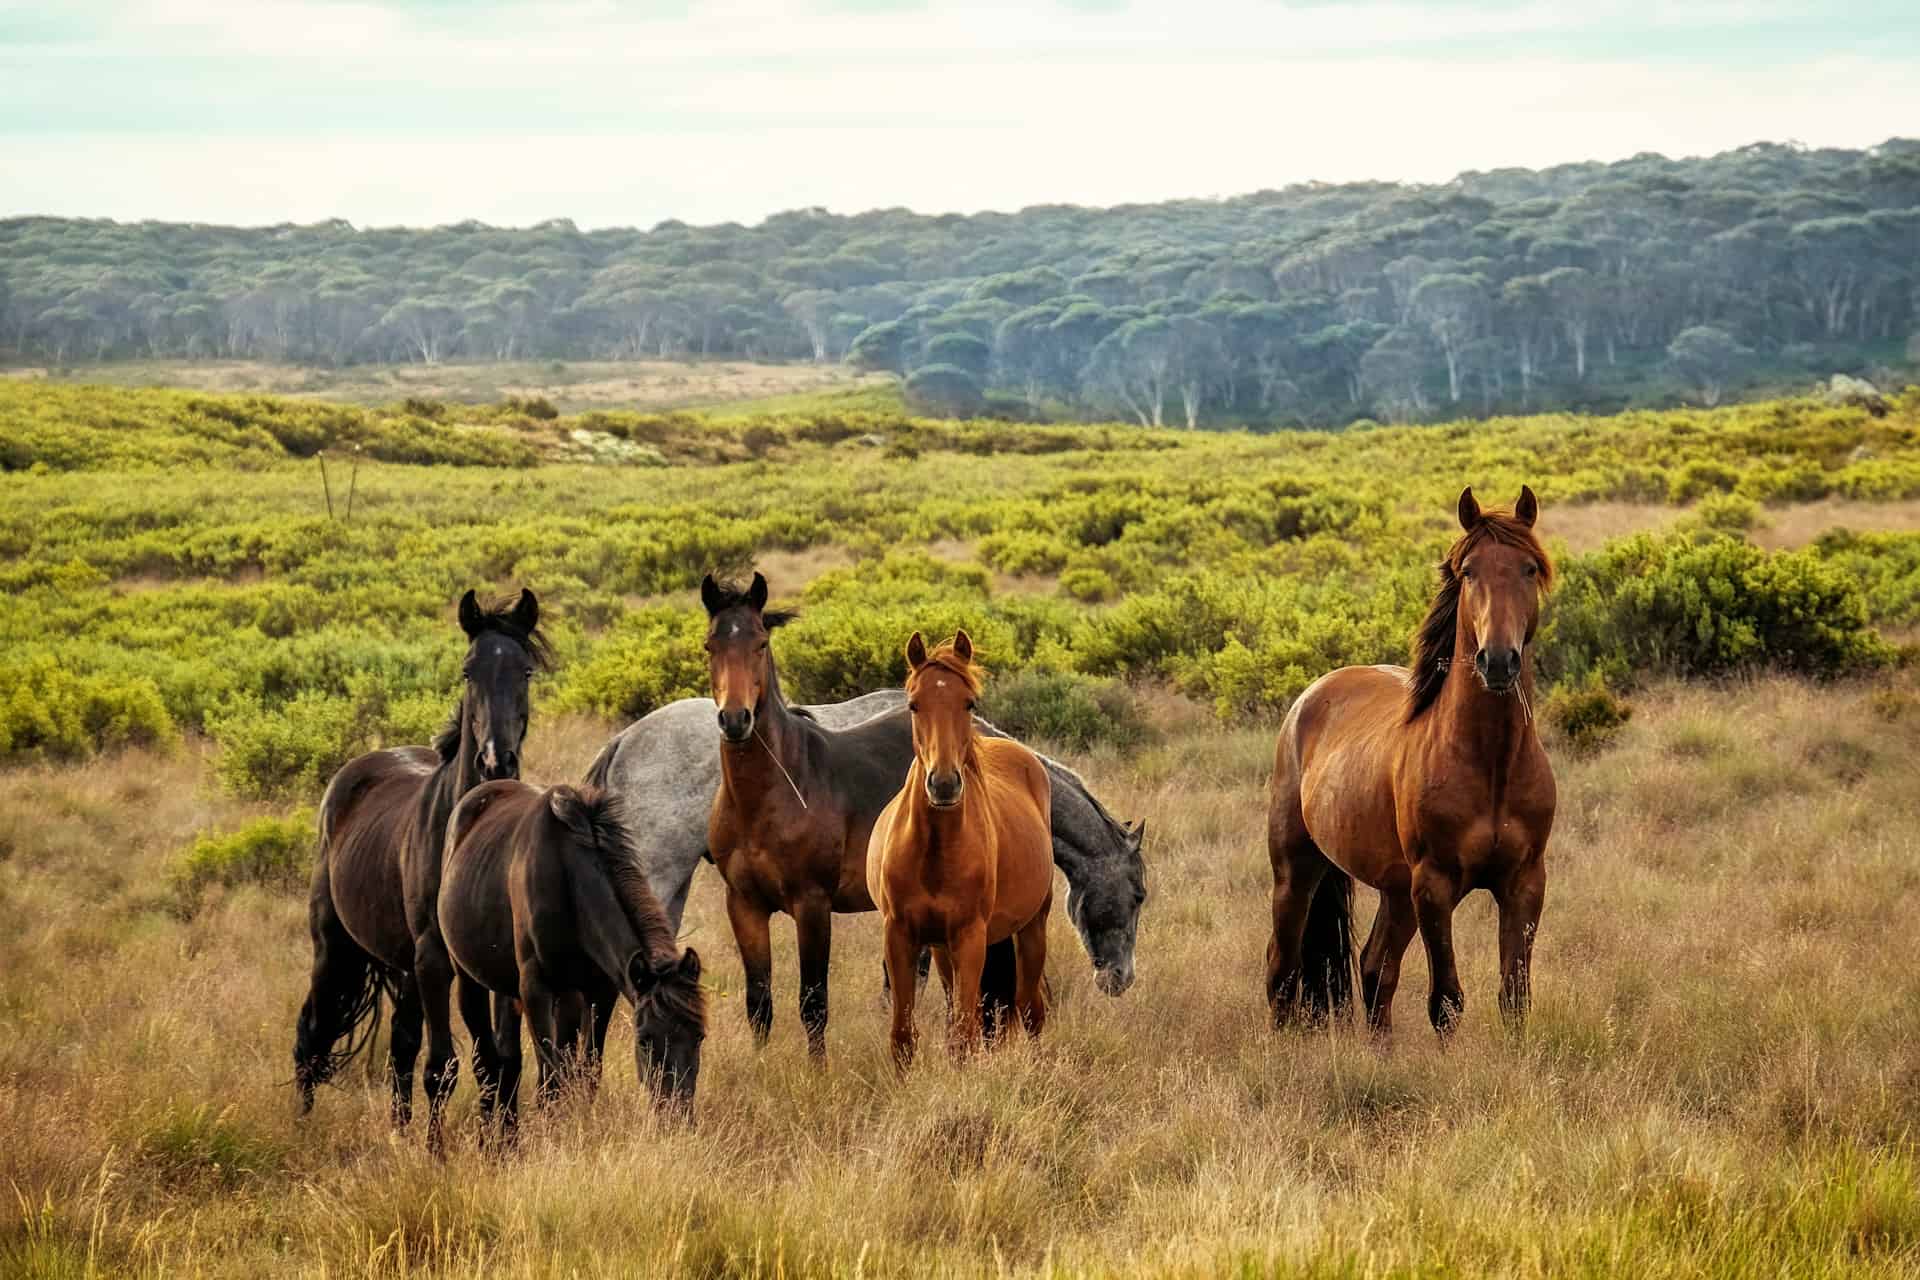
962,857
1426,784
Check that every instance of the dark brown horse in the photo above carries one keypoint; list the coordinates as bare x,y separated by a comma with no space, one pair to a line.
383,820
795,806
543,901
962,857
1426,784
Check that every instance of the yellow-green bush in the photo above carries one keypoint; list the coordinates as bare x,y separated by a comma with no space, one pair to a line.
47,709
276,852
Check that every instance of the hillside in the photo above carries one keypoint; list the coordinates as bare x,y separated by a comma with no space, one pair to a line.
1589,286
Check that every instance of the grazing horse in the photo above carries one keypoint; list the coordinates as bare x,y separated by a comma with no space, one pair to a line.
789,824
960,858
1426,784
666,765
383,820
542,901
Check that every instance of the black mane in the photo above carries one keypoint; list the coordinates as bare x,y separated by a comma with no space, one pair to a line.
731,595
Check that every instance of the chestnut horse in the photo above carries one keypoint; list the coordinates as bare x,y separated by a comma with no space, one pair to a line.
383,820
962,857
543,901
1426,784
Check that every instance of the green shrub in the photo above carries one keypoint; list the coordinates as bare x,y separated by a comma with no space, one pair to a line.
1727,513
1698,479
1691,606
293,749
274,852
1024,551
49,710
1089,585
1058,707
1589,715
650,657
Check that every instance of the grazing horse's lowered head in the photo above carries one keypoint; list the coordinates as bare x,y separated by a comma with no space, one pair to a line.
1105,911
504,649
739,665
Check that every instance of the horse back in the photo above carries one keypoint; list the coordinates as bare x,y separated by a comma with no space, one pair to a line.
475,901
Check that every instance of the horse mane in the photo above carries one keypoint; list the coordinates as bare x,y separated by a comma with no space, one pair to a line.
1433,642
497,616
596,821
732,595
944,657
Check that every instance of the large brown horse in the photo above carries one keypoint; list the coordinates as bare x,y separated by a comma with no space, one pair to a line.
376,877
1426,784
794,809
543,902
962,857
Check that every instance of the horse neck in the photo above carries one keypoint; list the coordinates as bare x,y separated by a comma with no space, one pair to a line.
1496,726
449,781
771,763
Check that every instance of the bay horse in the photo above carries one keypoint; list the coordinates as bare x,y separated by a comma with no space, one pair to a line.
961,858
382,823
1426,784
544,905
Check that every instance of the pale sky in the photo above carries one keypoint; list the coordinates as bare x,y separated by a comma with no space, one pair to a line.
627,112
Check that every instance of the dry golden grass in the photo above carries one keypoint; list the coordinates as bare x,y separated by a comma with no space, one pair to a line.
1720,1077
1583,527
572,386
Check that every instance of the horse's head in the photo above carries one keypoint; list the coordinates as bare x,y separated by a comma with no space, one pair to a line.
1105,907
1501,570
942,687
504,648
670,1022
739,662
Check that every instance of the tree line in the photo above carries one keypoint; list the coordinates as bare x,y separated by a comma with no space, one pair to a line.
1583,285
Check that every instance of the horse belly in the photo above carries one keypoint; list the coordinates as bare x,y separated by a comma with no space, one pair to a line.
1347,804
369,897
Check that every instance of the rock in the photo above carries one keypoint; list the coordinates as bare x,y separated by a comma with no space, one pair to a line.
1844,389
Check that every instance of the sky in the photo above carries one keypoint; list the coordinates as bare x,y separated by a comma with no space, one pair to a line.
628,112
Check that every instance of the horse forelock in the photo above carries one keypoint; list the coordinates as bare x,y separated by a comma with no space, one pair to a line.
1433,642
497,617
944,657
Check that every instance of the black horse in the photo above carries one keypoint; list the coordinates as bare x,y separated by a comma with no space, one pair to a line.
544,905
383,820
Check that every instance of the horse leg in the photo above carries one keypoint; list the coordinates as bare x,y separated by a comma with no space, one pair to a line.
999,984
603,1002
570,1022
968,950
1029,1001
1296,874
750,935
506,1042
433,980
1434,897
900,959
403,1048
813,922
1393,928
538,1000
475,1014
1520,899
344,990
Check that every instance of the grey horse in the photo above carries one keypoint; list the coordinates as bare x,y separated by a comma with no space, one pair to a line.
666,765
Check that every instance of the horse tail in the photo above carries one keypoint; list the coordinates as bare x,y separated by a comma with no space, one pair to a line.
341,1014
1326,950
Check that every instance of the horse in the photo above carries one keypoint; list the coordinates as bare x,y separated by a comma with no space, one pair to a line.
667,766
542,902
789,824
1426,784
958,859
382,822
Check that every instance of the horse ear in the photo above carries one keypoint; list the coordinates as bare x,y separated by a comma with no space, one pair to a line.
1527,510
563,803
470,615
710,595
1469,510
642,974
690,965
963,645
757,593
1137,831
916,652
526,613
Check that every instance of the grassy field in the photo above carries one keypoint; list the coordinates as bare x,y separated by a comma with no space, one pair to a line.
572,386
1722,1075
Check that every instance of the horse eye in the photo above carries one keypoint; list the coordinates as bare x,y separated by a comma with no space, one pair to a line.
971,704
913,708
1533,571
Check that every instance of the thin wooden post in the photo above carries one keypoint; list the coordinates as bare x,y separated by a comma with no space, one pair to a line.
328,488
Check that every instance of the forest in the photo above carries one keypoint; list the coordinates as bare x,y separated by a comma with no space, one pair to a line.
1589,286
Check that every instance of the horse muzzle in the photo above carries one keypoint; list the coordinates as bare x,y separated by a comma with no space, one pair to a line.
945,793
1113,979
1498,669
736,725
